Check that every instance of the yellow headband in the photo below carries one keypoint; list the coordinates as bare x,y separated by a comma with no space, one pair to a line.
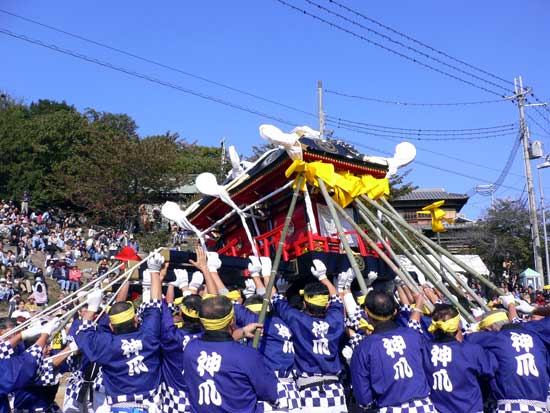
361,299
178,301
188,312
320,300
255,308
379,317
120,318
365,325
213,324
449,326
233,295
493,318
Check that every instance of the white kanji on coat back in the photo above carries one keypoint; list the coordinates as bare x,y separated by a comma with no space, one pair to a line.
286,335
320,344
441,354
394,345
209,363
132,348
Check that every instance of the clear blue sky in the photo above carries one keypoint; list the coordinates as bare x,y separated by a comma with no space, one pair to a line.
267,49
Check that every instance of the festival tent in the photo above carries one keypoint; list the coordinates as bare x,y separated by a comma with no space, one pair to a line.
474,261
532,278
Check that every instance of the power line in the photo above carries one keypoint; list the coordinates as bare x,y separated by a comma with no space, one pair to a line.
444,155
404,103
475,178
537,123
159,64
409,136
412,39
331,24
144,76
403,45
469,131
189,91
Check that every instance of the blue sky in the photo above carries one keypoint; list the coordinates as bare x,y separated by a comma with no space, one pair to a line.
267,49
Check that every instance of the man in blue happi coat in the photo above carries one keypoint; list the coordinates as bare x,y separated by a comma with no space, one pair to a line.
455,368
387,366
130,356
521,381
317,333
222,375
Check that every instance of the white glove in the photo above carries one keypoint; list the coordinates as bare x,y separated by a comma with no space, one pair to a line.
33,331
342,283
182,278
371,277
507,299
50,326
146,277
196,280
282,285
155,262
214,263
94,300
249,287
255,266
73,346
319,270
524,307
266,266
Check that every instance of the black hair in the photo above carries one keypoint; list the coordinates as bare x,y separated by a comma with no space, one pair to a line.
215,307
444,312
192,302
315,288
254,299
127,326
380,304
7,323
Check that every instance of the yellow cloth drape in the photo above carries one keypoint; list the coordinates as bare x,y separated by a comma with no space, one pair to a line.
438,215
346,186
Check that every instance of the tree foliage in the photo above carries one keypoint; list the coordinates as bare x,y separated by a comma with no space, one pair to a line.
92,161
504,234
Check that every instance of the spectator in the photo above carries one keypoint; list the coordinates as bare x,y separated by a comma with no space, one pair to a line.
75,275
5,291
31,306
40,291
21,311
25,199
133,243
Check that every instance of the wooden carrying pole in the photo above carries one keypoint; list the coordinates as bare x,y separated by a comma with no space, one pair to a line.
388,210
277,259
343,238
417,259
403,274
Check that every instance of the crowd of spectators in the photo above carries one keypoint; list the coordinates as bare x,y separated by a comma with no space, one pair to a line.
38,245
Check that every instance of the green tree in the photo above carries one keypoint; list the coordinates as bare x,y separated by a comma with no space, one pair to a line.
503,234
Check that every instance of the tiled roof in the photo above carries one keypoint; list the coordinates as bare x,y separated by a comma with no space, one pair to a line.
430,194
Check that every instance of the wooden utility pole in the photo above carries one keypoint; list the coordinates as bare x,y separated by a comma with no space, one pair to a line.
535,237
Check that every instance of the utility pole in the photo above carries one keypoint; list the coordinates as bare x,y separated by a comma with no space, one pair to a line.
321,114
223,155
535,237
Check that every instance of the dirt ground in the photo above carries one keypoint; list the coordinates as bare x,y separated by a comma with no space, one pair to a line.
53,293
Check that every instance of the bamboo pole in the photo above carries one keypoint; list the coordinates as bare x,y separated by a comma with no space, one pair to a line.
407,279
389,211
277,259
364,213
343,238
